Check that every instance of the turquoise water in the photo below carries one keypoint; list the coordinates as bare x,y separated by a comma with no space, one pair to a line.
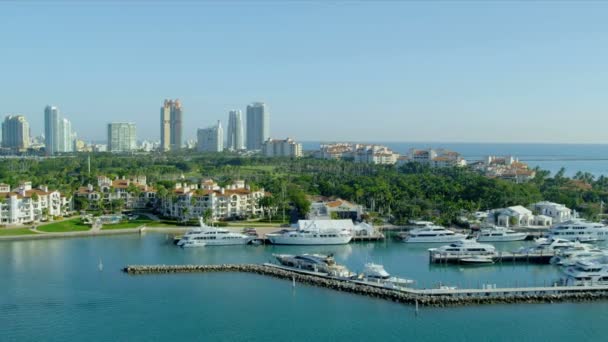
53,291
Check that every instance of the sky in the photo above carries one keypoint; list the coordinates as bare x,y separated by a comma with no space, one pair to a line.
442,71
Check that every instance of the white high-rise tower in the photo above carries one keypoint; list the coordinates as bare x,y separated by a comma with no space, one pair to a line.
235,131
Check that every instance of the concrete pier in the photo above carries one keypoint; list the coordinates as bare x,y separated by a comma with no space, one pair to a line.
500,257
424,297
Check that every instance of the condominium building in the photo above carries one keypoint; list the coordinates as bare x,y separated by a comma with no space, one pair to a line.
27,205
58,133
171,125
210,139
434,158
133,190
234,139
15,132
375,154
282,148
122,137
190,201
258,125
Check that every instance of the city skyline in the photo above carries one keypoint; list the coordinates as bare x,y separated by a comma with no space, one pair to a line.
423,72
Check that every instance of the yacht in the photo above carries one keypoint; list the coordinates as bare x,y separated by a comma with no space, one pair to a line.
310,237
212,236
465,248
500,234
547,245
314,262
587,273
432,234
376,274
569,256
478,260
580,230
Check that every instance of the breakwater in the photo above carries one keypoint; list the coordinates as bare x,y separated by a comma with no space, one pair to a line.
422,297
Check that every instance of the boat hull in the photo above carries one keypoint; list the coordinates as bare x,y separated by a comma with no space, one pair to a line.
310,241
507,238
228,242
436,239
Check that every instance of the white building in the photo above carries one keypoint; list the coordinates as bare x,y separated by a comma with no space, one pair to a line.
258,125
134,191
190,201
282,148
211,139
15,132
375,154
122,137
235,136
434,158
324,208
505,167
27,205
517,216
558,212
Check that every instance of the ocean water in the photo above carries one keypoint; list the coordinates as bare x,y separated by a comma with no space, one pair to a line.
53,291
591,158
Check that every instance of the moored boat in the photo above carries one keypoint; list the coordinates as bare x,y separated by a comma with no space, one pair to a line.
500,234
212,236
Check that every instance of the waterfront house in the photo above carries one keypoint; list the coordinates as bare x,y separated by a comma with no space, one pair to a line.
325,208
517,216
27,205
557,212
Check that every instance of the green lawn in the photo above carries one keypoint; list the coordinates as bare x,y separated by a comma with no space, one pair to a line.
73,225
16,231
140,221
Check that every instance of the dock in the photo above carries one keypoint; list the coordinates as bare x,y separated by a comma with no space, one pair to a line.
438,297
499,257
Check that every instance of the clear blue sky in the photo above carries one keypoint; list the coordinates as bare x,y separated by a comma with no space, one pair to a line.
439,71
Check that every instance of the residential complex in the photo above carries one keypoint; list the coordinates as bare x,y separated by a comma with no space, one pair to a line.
210,139
122,137
234,138
15,132
505,167
190,201
133,191
360,153
258,125
434,158
282,148
517,216
58,133
28,205
171,126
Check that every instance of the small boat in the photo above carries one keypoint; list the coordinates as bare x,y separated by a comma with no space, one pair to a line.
318,263
375,273
478,260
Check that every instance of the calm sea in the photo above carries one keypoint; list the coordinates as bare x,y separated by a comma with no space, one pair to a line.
53,291
573,157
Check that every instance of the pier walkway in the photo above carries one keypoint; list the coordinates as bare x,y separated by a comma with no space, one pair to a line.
499,257
439,297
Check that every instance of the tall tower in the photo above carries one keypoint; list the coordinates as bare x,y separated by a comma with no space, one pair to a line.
258,125
171,125
15,132
211,139
122,137
52,125
235,131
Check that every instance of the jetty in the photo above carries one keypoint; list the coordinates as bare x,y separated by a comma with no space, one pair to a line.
499,257
441,297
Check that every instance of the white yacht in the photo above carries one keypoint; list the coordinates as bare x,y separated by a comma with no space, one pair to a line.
376,274
432,234
212,236
547,245
500,234
315,263
569,256
587,273
310,237
465,248
579,230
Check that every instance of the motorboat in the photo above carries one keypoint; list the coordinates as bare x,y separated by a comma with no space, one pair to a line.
432,234
212,236
478,260
465,248
376,274
500,234
569,256
318,263
547,245
310,237
579,230
586,273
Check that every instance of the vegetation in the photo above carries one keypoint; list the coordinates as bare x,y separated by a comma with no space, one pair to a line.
72,225
390,193
17,231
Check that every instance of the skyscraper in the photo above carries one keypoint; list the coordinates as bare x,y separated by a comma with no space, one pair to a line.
122,137
15,132
51,129
210,139
171,125
235,131
258,125
66,136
